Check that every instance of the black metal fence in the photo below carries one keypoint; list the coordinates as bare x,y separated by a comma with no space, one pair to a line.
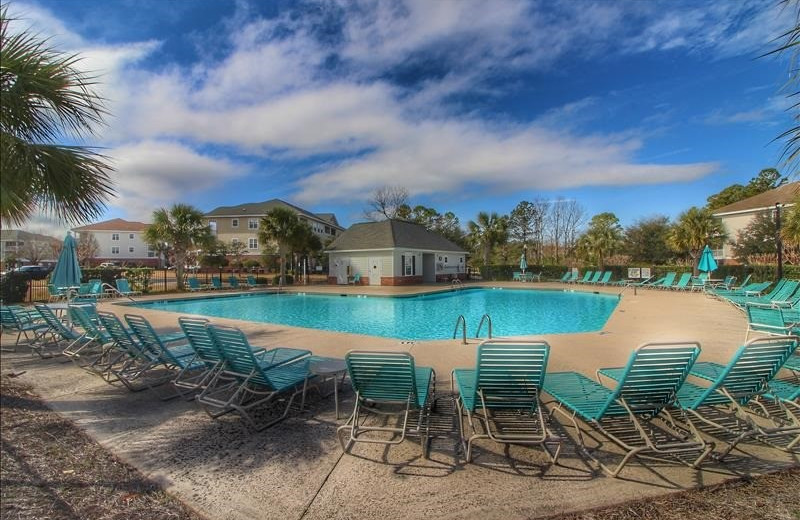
164,280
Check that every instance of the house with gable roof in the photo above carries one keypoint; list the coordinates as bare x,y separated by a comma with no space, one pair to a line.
394,252
120,241
737,216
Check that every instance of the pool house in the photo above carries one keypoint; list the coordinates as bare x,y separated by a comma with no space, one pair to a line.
393,252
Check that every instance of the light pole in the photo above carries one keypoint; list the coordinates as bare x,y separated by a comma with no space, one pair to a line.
778,242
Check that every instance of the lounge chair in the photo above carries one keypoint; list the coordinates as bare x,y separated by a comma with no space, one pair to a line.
698,283
682,284
516,276
24,322
356,279
54,294
767,320
252,283
179,357
586,277
595,277
388,383
259,376
502,394
233,282
137,369
124,288
725,285
99,354
747,376
193,284
605,279
752,289
56,332
626,415
782,291
216,282
665,282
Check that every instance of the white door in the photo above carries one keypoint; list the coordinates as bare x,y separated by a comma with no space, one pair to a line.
341,270
375,270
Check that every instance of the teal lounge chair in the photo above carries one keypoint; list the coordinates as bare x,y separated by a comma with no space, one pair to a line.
57,332
767,320
627,414
54,294
516,276
252,283
216,282
181,357
586,277
193,284
137,369
605,279
502,395
233,282
24,322
388,383
124,288
356,279
258,377
747,376
99,354
666,282
682,284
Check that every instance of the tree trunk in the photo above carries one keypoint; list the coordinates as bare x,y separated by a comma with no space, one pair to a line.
282,279
180,259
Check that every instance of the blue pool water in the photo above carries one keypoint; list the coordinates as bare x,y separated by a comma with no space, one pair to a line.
514,312
423,317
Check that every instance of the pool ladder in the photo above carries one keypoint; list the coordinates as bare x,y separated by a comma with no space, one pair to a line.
463,323
456,284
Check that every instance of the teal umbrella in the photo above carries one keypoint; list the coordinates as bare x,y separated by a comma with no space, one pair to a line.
523,263
707,262
68,271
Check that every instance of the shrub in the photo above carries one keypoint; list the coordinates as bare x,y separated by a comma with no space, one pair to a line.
289,279
139,278
13,287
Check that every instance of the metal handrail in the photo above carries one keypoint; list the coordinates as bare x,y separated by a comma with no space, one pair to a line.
455,283
463,322
488,318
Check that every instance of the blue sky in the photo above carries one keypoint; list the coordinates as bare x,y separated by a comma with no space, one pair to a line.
638,108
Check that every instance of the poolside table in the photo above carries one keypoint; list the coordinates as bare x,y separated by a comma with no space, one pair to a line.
329,368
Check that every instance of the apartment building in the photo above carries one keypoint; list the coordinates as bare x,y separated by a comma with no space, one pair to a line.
240,223
120,241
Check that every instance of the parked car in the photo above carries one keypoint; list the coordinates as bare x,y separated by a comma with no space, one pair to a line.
108,265
34,272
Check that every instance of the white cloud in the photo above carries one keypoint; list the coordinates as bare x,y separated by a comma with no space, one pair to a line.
154,174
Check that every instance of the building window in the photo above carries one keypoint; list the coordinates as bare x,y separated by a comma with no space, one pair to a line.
445,259
252,223
131,236
234,241
212,225
150,252
460,259
131,249
253,243
115,250
115,236
234,222
409,264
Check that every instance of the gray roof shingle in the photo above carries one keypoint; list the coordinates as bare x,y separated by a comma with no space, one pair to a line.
388,234
261,208
785,194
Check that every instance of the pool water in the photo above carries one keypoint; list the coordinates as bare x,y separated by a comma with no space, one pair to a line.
514,312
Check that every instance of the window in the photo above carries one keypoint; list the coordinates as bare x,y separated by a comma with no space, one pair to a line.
235,222
460,259
234,241
253,243
131,249
131,236
445,259
115,237
409,264
212,225
150,252
115,250
252,223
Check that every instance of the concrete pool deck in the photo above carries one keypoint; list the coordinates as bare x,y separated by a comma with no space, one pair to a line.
296,469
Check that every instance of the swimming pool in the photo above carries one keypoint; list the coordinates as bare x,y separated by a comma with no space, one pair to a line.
514,312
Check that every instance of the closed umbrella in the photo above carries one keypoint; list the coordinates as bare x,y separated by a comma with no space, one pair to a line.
707,263
523,263
67,274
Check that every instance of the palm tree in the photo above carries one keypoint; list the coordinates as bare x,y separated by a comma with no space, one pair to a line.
602,239
488,231
280,225
183,229
45,98
790,230
694,229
